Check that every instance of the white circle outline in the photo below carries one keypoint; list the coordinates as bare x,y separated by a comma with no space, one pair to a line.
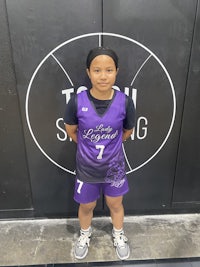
96,34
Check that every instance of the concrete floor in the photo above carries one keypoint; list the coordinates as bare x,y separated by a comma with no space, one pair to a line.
50,241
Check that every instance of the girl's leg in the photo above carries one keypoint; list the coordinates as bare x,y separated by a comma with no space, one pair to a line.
85,214
117,214
116,211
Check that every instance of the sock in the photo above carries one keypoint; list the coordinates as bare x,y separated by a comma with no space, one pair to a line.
117,231
86,231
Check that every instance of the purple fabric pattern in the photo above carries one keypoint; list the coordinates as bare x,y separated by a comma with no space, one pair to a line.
99,149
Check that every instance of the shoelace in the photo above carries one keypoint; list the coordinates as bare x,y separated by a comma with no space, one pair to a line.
120,240
83,240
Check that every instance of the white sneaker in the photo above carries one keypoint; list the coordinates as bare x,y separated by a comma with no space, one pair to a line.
120,242
82,244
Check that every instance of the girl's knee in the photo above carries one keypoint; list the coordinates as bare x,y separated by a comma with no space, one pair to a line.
114,203
87,207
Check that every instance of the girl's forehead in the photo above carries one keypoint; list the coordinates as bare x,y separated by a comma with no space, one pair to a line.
102,59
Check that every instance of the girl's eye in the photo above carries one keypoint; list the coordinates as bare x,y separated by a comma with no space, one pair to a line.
109,70
97,71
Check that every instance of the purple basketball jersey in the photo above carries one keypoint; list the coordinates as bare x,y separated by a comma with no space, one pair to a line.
100,156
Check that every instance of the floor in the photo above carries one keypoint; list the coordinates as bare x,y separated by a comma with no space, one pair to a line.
155,241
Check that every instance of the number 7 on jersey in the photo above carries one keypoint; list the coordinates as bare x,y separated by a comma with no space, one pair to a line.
101,150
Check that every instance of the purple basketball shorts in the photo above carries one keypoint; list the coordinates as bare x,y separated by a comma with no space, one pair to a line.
90,192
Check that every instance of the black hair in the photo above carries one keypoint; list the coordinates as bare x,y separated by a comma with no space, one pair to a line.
97,51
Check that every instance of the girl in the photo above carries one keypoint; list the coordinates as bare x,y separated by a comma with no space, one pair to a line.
99,120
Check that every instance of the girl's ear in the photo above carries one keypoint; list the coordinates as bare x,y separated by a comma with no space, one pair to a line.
117,70
88,72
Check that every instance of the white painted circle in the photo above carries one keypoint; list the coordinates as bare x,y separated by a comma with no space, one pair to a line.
101,34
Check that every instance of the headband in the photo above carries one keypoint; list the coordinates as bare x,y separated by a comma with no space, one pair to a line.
101,51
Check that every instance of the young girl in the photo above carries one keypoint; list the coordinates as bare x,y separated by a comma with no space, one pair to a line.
99,120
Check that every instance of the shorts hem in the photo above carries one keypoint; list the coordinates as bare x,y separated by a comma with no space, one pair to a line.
85,202
118,195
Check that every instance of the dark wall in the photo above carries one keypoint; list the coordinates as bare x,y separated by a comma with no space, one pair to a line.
187,183
15,191
166,28
36,28
43,46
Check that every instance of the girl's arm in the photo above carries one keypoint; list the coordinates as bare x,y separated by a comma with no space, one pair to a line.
72,131
127,134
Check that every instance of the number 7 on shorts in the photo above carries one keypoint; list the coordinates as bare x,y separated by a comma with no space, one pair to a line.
79,186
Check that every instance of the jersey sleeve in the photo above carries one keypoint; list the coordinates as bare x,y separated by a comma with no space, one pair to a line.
129,121
70,115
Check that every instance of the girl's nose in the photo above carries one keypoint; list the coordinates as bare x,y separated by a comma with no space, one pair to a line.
103,75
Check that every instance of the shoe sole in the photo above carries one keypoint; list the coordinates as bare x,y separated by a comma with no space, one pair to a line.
81,257
125,257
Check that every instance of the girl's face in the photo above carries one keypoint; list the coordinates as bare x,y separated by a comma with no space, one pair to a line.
102,73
